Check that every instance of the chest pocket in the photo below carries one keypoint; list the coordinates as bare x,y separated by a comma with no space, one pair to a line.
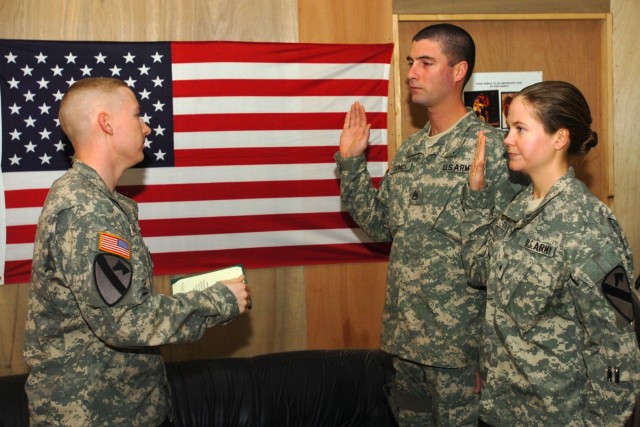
531,276
449,213
425,199
437,206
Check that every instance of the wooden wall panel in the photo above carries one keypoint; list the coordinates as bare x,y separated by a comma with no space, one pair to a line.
567,49
344,305
150,20
13,314
344,302
499,6
626,126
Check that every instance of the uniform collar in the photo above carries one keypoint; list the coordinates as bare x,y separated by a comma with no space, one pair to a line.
517,211
92,176
449,144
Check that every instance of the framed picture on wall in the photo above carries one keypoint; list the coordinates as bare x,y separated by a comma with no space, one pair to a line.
489,94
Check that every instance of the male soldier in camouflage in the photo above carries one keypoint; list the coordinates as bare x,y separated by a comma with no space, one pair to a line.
94,320
432,317
559,344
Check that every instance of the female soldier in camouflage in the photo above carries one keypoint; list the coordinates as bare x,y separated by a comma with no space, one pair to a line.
559,345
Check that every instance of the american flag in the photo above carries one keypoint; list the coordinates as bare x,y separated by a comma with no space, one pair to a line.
239,165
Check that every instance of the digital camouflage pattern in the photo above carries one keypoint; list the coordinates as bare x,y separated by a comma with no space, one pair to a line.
94,321
550,335
431,315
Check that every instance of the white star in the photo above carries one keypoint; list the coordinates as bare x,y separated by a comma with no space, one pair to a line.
157,57
30,122
29,96
157,82
128,57
57,122
115,71
144,94
30,147
15,160
159,130
44,134
15,134
159,106
14,108
86,71
160,155
71,58
45,159
13,83
100,58
26,70
130,82
146,118
147,143
71,81
144,70
41,58
11,57
44,84
44,108
60,146
57,71
58,95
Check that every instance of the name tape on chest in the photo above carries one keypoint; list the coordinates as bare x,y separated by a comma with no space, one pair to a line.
401,167
539,247
456,167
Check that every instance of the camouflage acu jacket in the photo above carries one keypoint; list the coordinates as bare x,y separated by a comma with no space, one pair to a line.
93,318
556,351
431,315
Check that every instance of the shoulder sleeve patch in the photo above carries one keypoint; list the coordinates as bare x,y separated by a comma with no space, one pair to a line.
615,287
114,245
112,276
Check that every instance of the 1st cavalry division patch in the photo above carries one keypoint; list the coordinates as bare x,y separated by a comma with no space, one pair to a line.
112,276
615,288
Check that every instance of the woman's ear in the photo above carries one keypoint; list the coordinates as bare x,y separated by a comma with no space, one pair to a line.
561,139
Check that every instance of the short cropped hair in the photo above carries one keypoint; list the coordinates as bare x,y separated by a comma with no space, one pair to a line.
456,43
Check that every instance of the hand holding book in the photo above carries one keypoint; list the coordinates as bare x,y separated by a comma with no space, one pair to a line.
200,282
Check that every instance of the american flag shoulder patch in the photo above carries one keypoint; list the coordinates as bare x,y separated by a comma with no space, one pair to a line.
114,245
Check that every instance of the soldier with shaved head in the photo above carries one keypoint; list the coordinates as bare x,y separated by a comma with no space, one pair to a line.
94,322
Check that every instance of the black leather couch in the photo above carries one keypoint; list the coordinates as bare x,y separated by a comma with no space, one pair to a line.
298,389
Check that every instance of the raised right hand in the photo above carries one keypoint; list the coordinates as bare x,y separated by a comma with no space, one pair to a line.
476,172
355,132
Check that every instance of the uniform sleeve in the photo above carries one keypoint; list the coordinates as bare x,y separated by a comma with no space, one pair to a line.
366,205
611,355
482,208
476,222
115,294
